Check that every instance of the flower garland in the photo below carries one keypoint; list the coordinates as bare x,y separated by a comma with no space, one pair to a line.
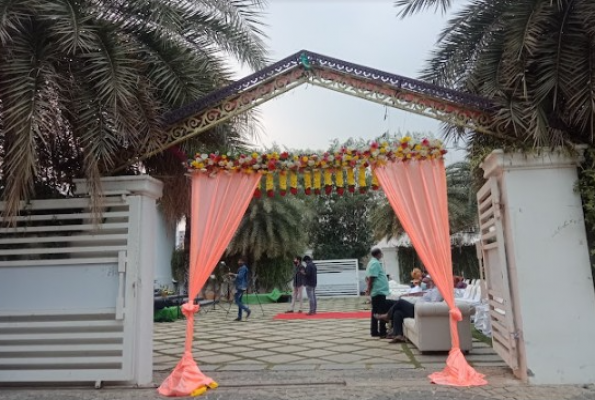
318,170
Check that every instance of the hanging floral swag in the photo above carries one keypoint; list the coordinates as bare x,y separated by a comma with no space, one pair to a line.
317,170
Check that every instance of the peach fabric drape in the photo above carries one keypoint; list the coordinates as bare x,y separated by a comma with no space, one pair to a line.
416,191
218,205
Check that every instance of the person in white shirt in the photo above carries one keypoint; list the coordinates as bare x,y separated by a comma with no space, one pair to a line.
403,309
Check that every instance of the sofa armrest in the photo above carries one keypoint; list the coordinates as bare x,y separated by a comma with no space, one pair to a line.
438,309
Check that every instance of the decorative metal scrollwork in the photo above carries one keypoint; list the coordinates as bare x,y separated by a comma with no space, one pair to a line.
458,108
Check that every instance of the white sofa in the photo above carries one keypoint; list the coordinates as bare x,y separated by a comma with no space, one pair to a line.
430,329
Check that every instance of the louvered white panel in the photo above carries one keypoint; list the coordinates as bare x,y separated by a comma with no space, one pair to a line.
493,253
337,278
64,292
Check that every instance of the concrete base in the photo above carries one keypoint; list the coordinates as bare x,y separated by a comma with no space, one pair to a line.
549,267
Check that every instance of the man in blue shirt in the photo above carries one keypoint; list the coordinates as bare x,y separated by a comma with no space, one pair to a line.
241,282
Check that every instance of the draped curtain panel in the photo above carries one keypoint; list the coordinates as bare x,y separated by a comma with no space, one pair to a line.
416,191
218,205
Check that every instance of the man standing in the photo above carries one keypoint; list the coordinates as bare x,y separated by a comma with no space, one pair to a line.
298,284
310,282
241,281
378,290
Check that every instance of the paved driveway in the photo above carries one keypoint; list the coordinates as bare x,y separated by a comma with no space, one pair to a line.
264,344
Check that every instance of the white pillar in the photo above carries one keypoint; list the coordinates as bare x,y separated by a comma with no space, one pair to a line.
549,268
141,193
165,243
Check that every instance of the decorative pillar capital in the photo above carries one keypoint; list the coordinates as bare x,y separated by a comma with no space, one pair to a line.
498,161
140,185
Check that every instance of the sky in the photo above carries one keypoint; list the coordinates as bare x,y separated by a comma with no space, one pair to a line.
365,32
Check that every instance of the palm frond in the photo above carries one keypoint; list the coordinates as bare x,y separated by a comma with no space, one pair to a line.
408,7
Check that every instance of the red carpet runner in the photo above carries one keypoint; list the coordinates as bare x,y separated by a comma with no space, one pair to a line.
325,315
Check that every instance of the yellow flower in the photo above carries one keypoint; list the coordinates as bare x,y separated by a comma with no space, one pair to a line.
317,179
328,177
361,177
339,178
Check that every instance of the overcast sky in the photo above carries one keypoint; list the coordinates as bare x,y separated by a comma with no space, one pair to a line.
365,32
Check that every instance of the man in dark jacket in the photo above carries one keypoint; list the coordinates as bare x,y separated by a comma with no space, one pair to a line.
310,283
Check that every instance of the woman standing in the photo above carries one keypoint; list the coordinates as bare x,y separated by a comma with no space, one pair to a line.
298,284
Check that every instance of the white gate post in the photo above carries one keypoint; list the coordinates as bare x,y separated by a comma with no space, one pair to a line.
141,193
551,283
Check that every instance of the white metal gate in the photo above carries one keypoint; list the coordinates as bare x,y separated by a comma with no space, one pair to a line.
66,297
337,278
493,253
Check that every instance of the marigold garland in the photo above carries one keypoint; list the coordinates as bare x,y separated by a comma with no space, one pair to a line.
317,181
308,182
293,182
282,183
318,170
339,181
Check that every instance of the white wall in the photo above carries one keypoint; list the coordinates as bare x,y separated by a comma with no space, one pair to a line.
550,272
165,241
390,261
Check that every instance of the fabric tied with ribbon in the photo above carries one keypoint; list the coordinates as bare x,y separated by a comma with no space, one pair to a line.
416,190
219,202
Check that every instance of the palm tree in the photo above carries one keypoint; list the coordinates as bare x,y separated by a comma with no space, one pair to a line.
83,80
272,227
462,205
534,58
272,232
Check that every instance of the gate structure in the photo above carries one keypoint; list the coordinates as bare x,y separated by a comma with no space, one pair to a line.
76,306
538,272
493,255
337,278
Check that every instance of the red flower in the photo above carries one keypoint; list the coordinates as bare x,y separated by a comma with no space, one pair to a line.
340,190
257,193
351,189
308,191
362,190
375,187
270,193
283,193
328,189
317,191
293,191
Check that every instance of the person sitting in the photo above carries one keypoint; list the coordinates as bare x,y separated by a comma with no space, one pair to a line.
416,276
402,309
460,282
415,289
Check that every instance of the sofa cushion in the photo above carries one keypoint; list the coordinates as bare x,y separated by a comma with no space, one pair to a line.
409,323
